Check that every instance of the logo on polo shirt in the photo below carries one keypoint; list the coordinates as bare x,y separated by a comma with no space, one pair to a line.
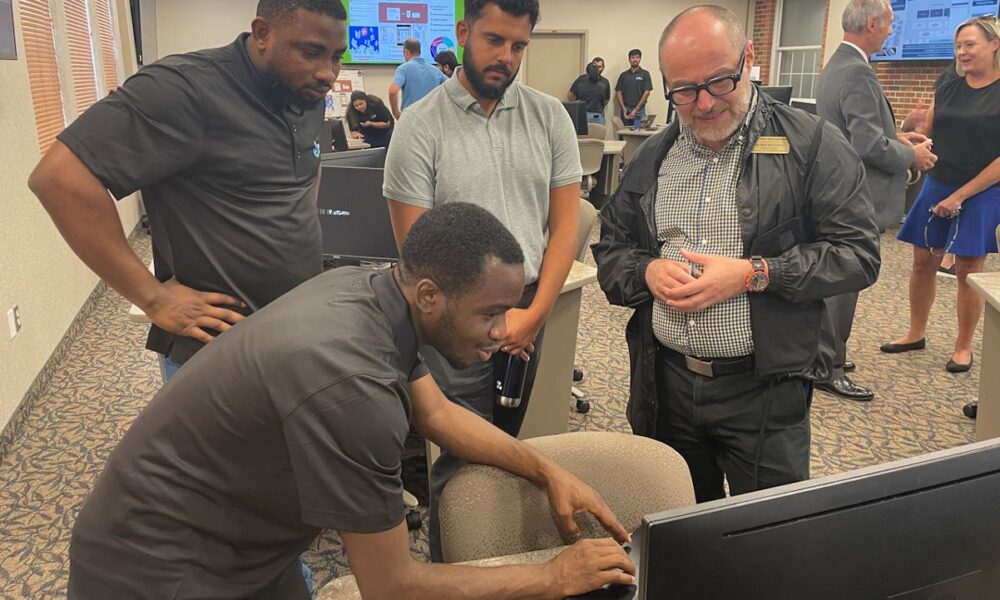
316,149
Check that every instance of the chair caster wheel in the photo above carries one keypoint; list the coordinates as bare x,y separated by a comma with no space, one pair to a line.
577,375
413,520
971,410
582,406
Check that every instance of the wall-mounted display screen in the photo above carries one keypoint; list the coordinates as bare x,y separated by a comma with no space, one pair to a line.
376,29
925,29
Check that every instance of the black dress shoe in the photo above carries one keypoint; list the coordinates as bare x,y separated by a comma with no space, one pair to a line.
845,388
970,410
849,366
954,367
892,348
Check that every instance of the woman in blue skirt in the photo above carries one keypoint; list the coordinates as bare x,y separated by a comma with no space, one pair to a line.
958,208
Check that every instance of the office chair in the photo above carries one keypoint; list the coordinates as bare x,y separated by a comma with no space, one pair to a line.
486,512
591,155
618,123
597,131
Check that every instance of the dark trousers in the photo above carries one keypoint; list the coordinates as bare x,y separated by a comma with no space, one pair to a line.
836,331
754,432
474,389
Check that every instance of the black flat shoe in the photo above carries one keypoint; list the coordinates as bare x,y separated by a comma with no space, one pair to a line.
970,410
845,388
954,367
892,348
849,366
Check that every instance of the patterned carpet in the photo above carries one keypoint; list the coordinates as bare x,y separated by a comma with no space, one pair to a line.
103,377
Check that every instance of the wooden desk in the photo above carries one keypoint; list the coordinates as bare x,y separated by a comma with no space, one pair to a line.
633,139
607,177
988,415
346,588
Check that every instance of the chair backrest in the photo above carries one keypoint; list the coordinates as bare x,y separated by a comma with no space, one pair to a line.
591,154
597,131
588,215
618,123
487,512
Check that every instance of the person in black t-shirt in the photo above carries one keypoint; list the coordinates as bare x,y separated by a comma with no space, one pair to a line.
594,90
223,144
958,208
369,119
295,421
446,61
633,88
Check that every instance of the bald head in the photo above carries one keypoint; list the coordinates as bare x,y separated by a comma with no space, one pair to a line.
699,23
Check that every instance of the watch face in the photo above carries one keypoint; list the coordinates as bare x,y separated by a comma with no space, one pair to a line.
758,282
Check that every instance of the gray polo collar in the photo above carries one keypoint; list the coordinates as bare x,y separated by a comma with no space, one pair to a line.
460,96
393,303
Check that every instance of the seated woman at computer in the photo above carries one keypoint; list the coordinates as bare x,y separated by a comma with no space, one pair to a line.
369,119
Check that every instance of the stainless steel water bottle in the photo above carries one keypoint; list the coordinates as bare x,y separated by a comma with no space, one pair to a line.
510,381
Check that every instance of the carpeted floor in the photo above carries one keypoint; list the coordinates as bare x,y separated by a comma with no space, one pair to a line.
106,377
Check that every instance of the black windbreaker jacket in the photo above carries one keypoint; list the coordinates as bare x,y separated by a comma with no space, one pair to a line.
809,212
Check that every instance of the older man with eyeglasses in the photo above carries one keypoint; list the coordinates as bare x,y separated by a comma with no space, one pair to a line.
728,231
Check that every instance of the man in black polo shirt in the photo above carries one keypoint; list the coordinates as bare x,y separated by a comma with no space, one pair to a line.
295,421
594,89
223,145
633,88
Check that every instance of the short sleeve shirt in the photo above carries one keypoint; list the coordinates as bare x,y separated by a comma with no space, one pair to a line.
417,78
446,150
227,171
966,128
594,94
292,421
632,85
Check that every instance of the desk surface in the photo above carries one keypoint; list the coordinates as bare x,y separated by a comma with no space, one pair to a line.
989,285
614,146
638,132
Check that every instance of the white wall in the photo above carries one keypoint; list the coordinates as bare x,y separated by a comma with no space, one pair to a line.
38,272
613,29
834,32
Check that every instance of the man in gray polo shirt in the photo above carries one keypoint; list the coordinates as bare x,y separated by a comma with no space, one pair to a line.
484,139
223,145
295,420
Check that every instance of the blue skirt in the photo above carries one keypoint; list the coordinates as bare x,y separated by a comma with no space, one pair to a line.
971,233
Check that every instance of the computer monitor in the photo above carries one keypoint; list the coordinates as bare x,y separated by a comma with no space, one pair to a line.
368,157
332,137
781,93
925,528
647,121
577,110
807,105
353,213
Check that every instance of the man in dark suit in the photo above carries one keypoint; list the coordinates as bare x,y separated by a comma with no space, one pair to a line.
850,97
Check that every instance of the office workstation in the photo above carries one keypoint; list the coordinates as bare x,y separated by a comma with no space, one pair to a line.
863,526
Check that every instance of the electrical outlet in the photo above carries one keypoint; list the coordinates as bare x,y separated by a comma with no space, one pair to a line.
14,321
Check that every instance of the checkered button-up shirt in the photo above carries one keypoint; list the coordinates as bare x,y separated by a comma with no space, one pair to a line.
696,210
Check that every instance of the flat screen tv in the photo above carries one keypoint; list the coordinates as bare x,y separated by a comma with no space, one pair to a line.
924,528
925,29
377,29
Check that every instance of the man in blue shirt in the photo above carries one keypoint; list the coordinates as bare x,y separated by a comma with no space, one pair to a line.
415,77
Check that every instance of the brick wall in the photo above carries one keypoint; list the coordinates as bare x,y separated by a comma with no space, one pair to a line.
903,82
763,35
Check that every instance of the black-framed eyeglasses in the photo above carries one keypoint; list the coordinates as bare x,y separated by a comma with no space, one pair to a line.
716,86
